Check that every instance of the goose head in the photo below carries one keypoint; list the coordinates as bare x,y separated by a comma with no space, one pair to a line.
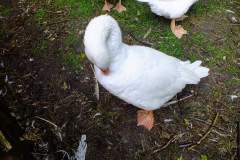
102,41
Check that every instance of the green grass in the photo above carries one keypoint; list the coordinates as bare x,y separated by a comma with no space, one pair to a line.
41,48
233,82
217,55
2,34
180,158
138,19
5,11
203,157
73,60
83,9
70,39
171,45
40,15
204,7
78,8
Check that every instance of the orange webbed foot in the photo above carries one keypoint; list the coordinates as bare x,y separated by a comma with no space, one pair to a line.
178,31
119,7
107,6
145,119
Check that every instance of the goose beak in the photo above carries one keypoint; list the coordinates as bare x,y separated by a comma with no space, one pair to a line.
105,71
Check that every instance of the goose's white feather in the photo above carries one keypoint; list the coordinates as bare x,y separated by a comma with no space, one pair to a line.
170,9
141,76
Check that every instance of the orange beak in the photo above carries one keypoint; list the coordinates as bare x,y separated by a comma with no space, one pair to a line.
105,71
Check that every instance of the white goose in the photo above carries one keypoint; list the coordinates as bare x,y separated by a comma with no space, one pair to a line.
171,9
141,76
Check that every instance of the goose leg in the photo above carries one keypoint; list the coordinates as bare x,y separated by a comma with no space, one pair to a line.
107,6
178,31
119,7
182,18
145,119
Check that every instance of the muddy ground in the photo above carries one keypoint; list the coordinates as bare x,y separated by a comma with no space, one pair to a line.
47,86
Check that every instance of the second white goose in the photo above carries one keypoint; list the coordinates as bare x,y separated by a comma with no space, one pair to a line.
171,9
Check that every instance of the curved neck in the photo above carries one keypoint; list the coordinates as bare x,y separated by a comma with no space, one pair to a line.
102,41
113,39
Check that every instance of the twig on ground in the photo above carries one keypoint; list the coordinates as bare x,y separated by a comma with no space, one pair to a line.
233,156
1,17
5,143
64,154
56,12
67,98
171,140
4,49
235,24
205,134
207,123
140,41
42,154
61,21
220,134
147,34
49,122
96,89
238,140
56,128
236,2
176,101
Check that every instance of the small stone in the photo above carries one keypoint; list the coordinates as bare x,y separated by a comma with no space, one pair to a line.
232,19
81,32
32,124
230,11
136,19
97,114
168,120
2,64
65,86
52,38
87,78
138,13
19,91
124,140
27,123
6,78
233,97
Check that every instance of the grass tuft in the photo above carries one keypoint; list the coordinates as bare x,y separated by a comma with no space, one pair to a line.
41,47
70,39
40,15
204,7
171,45
5,11
74,60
